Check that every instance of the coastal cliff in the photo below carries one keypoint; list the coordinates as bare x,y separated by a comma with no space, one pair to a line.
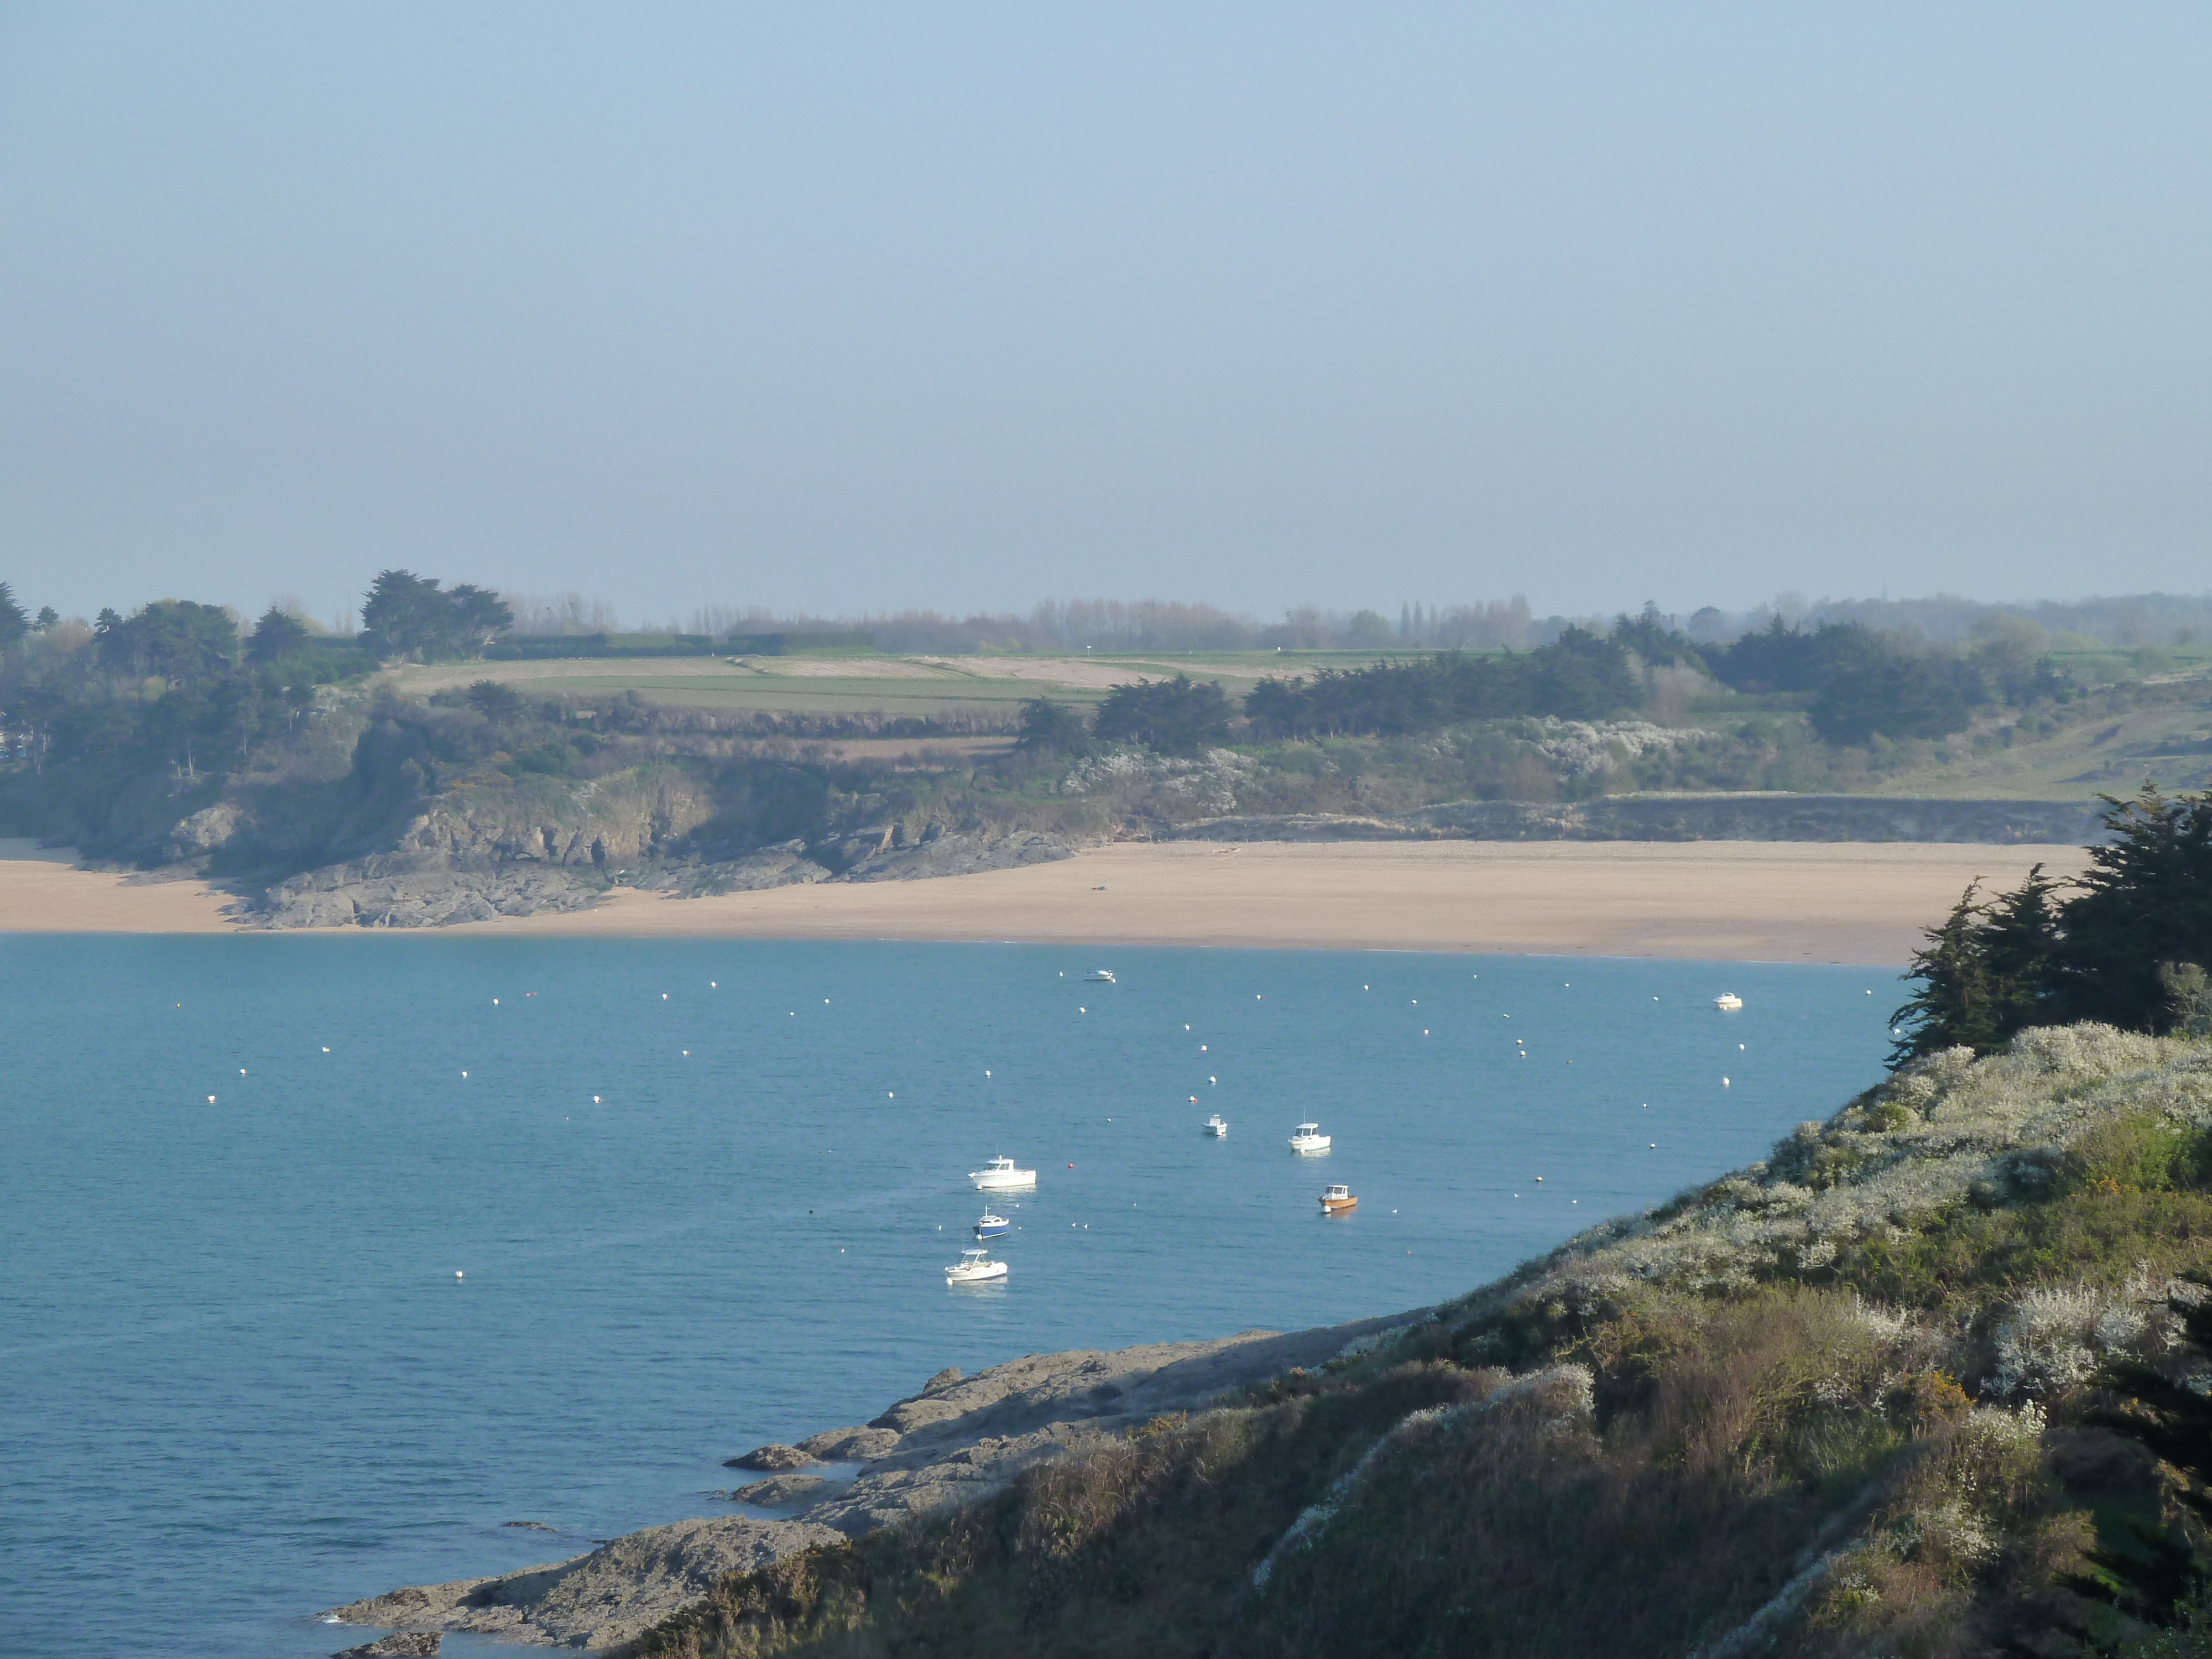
1851,1399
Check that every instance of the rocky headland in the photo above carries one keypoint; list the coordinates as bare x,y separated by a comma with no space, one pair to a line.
959,1440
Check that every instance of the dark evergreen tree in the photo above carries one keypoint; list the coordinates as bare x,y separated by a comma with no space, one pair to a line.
479,616
276,635
181,641
1053,728
1982,974
1649,638
2145,901
14,624
1178,716
404,614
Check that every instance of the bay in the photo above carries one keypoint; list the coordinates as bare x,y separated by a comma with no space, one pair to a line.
330,1331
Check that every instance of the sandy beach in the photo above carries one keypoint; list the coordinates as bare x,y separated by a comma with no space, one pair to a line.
1862,903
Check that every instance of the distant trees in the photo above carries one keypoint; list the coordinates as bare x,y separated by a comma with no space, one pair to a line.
14,624
2128,945
406,615
494,702
1866,683
181,641
1053,728
275,637
1178,716
1582,676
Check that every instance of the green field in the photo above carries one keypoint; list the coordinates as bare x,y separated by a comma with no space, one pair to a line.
2106,744
851,683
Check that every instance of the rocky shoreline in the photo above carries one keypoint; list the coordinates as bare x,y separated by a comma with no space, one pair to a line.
958,1440
1678,818
456,864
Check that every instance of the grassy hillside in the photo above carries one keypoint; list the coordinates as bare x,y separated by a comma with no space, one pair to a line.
1840,1402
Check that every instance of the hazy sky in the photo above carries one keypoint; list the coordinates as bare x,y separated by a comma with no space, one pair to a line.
953,306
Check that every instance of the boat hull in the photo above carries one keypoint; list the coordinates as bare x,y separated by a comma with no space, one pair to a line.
991,1275
1311,1149
992,1181
1339,1206
993,1232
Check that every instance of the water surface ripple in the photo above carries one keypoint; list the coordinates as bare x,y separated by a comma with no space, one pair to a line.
241,1381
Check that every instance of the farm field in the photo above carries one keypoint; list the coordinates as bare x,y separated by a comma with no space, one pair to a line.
854,684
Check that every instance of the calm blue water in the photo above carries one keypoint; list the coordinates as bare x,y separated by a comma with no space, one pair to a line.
239,1381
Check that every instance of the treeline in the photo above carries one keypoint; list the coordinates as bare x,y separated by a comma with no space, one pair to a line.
1583,676
2128,943
1855,684
1862,683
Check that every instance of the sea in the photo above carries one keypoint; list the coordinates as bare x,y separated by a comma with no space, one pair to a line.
326,1261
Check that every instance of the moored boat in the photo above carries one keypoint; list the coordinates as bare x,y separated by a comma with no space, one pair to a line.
1099,976
1337,1200
990,1226
974,1267
1728,1002
1309,1138
1217,1126
999,1175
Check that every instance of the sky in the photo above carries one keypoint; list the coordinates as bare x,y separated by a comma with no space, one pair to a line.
833,307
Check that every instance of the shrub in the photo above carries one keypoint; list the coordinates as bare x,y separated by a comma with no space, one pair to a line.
2138,1152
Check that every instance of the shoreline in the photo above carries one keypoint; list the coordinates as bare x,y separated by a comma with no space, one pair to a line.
1865,903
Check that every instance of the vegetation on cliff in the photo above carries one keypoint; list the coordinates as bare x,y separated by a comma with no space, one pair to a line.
1893,1391
2127,943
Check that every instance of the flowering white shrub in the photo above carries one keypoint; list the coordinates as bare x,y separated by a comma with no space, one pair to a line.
1952,1531
1211,780
1594,750
2045,1344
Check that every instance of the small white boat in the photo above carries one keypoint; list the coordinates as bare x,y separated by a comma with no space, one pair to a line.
974,1267
1728,1002
1309,1138
990,1226
1000,1175
1217,1126
1337,1200
1099,976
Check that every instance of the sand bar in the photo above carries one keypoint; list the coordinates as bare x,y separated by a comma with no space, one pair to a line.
1745,900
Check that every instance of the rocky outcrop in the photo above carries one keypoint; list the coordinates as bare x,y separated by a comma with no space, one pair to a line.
958,1440
1684,818
203,831
881,859
596,1600
400,1645
785,865
853,1445
770,1460
781,1491
414,892
425,887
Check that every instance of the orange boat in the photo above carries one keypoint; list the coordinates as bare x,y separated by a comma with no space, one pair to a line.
1337,1200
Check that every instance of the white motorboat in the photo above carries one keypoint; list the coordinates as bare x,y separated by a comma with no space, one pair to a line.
1309,1138
1728,1002
1217,1126
974,1267
999,1175
1099,976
